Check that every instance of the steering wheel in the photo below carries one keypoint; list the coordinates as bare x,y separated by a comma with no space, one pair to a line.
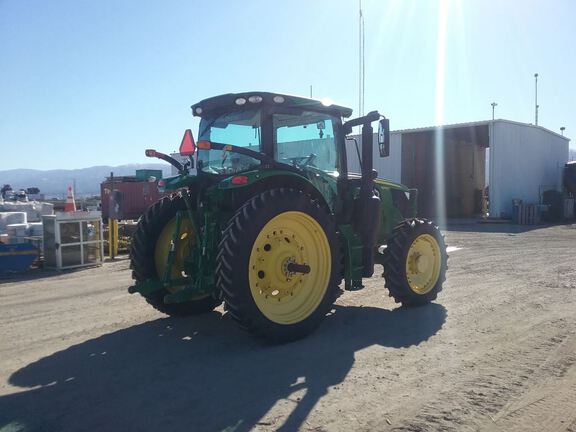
215,169
302,161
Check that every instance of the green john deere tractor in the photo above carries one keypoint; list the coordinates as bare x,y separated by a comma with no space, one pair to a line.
271,221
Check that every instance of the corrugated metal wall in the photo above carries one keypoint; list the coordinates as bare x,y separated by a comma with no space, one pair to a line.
463,165
418,169
525,160
388,168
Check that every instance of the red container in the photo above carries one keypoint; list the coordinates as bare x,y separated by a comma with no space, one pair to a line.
134,196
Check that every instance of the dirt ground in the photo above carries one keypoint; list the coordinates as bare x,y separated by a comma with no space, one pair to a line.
496,352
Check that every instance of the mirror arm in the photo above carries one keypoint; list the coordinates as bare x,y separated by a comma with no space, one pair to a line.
368,118
166,158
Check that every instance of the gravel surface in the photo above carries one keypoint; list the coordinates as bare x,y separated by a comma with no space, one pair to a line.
496,352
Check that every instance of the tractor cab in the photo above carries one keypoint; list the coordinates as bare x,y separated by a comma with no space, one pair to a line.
255,129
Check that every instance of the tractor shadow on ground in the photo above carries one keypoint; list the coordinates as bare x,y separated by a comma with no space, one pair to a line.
200,374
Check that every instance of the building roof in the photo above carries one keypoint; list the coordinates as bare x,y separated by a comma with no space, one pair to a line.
476,123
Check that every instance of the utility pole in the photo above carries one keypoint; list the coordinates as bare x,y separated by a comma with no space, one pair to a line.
536,97
361,70
494,104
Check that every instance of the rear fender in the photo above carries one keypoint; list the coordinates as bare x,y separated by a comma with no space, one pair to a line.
255,182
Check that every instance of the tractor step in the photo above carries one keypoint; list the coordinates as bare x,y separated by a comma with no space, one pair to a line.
353,258
355,285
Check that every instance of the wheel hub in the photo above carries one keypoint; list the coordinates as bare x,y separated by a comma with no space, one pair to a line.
419,263
291,267
287,262
276,256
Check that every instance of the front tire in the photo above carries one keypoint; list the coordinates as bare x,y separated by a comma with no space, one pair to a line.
415,262
278,265
149,250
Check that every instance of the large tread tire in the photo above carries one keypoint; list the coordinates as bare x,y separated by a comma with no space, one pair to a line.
142,253
233,263
395,262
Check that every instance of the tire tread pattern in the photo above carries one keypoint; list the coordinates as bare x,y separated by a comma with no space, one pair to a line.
395,262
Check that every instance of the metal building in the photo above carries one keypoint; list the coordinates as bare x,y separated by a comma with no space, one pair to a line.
497,161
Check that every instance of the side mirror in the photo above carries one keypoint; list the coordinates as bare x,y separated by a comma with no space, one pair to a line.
384,137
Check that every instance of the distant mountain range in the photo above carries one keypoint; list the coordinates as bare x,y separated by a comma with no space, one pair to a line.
54,183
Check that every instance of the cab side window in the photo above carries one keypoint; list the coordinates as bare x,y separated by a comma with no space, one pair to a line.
306,140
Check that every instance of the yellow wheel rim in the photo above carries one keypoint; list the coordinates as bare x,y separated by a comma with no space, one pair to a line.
285,296
423,264
186,241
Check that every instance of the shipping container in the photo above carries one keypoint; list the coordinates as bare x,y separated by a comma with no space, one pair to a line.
135,196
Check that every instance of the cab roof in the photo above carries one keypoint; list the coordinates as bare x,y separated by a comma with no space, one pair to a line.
227,102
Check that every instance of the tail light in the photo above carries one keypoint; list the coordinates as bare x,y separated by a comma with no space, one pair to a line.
239,180
204,145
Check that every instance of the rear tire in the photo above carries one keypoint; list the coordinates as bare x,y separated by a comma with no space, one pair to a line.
148,253
269,234
415,262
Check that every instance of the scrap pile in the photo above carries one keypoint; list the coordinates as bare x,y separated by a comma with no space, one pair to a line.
21,233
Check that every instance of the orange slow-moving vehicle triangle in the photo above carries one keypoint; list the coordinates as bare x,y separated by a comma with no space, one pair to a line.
187,147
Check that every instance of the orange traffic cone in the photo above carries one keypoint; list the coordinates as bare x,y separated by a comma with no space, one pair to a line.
70,205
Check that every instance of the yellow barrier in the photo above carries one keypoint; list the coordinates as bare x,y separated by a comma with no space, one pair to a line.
112,238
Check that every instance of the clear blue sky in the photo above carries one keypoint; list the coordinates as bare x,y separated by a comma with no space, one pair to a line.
86,83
